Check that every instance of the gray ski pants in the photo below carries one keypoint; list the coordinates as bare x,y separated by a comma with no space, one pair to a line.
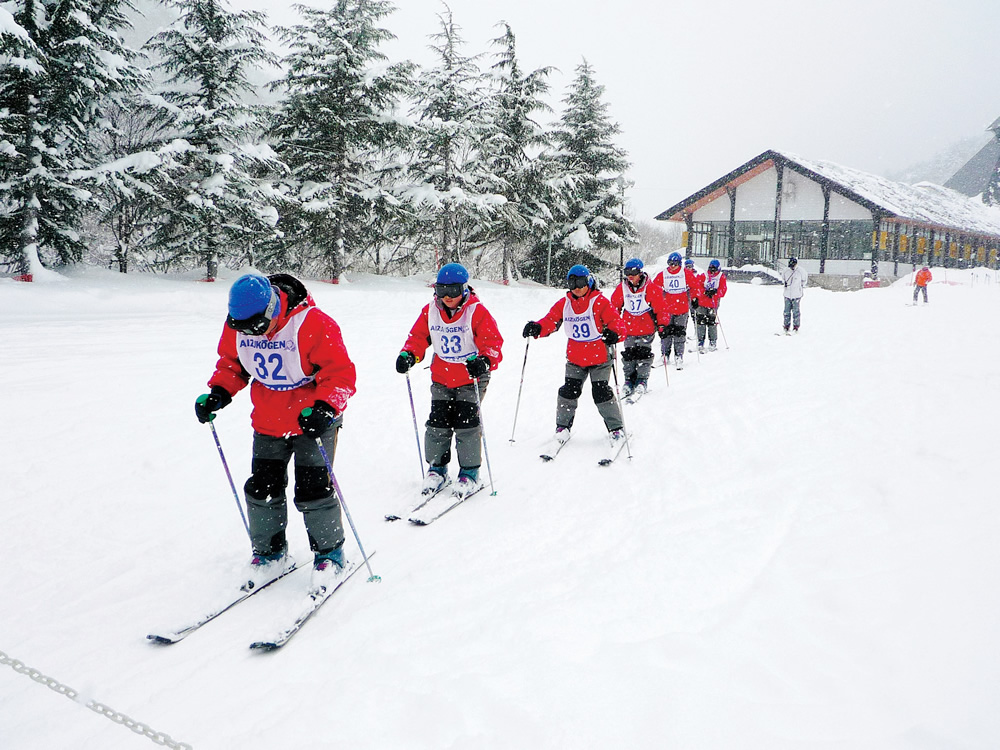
267,508
792,311
604,397
637,358
454,412
676,337
705,322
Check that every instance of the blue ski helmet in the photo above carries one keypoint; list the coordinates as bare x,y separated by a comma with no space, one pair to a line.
689,263
251,296
453,273
714,265
578,277
675,258
633,264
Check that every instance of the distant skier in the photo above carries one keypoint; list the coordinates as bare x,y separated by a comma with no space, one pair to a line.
293,356
794,279
592,326
641,302
467,345
709,290
672,330
920,283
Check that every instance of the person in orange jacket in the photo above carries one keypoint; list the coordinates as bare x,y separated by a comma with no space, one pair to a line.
920,283
593,326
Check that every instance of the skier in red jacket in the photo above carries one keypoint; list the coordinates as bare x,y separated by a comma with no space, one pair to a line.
592,325
467,345
642,304
708,291
676,283
293,357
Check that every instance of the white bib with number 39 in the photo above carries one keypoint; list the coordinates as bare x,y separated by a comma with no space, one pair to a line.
581,326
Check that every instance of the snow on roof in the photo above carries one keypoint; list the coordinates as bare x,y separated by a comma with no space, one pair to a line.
923,203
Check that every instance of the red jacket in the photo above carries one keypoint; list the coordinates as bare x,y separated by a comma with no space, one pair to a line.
644,323
923,277
585,353
486,337
699,291
677,303
321,355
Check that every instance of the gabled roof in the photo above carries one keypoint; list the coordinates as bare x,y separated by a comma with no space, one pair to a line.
926,204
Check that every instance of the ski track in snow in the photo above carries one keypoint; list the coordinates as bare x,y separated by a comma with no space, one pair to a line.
800,554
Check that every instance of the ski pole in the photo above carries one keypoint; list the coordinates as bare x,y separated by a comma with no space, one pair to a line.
694,319
416,429
343,503
482,432
719,321
519,389
225,466
621,411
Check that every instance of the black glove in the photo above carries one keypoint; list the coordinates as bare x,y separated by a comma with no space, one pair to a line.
694,303
661,331
316,419
531,328
207,403
610,337
478,366
405,361
710,292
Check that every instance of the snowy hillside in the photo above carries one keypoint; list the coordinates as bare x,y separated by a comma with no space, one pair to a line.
801,554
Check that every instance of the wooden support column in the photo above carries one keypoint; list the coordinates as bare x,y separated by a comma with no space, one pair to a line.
776,242
731,250
824,238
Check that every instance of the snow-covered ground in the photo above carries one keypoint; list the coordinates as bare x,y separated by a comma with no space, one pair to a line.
801,554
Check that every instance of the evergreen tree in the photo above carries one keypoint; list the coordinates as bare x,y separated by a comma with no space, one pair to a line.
63,60
452,187
593,228
219,196
334,128
514,148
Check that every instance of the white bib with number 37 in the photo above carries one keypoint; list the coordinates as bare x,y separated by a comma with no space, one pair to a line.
581,326
635,302
275,362
452,341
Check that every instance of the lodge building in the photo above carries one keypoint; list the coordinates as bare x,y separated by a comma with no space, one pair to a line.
836,220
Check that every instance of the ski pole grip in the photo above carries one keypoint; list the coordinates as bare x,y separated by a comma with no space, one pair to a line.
307,412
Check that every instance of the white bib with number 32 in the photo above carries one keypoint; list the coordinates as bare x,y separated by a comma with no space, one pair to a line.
275,362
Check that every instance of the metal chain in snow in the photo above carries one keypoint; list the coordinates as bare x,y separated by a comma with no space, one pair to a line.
117,717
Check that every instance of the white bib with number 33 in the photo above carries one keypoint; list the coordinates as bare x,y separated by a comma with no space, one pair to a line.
453,341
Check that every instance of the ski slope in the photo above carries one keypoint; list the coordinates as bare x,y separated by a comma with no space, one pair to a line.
800,554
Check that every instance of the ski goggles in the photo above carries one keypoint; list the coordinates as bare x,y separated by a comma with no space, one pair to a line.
633,272
449,290
577,282
256,325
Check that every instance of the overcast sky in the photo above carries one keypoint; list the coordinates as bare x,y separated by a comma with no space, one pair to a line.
700,87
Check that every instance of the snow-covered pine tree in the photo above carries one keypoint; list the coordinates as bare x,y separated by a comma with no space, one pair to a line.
334,129
61,62
133,146
594,229
514,148
220,201
452,188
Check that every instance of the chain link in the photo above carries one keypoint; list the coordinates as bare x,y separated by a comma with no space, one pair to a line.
160,738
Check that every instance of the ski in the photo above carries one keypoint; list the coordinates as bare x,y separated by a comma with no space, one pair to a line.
424,499
553,453
431,513
173,636
634,397
312,605
612,457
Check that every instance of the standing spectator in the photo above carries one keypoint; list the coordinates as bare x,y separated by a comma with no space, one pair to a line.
466,344
710,290
920,283
794,279
592,326
642,303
